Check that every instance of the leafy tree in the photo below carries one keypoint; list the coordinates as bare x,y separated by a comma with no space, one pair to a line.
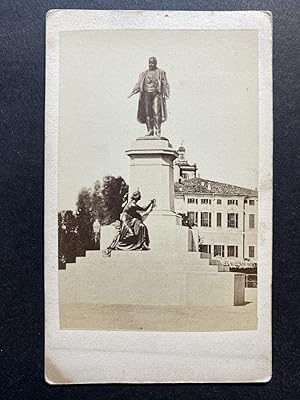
70,222
61,241
67,237
75,230
112,192
97,201
85,219
84,201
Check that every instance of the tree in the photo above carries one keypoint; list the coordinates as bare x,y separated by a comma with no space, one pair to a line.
67,237
97,202
85,219
75,230
84,201
112,192
61,241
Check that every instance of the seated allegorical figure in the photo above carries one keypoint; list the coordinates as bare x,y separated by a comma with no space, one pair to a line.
133,233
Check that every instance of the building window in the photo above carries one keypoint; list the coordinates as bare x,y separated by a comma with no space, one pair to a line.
193,218
192,201
232,251
232,220
251,202
251,221
219,201
184,176
205,201
206,219
219,219
218,250
205,248
230,202
251,251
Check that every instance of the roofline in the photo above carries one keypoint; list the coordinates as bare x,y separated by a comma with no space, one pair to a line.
214,194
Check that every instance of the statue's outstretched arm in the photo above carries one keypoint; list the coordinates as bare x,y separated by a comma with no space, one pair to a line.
135,90
139,208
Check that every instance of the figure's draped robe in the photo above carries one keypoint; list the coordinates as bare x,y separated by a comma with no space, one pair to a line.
133,234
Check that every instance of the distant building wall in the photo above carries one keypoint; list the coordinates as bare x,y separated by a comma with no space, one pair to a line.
225,215
227,225
251,209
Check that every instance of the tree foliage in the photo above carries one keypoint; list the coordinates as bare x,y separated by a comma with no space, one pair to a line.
85,218
68,237
75,229
97,201
112,193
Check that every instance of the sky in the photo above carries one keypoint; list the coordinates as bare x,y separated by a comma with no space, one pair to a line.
212,110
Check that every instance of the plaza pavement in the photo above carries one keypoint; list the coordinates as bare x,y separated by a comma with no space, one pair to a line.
161,318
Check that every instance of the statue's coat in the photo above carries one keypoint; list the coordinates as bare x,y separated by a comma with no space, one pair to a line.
163,90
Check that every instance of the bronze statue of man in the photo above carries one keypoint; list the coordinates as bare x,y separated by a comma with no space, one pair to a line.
154,90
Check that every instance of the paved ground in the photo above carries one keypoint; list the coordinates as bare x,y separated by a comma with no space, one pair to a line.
163,318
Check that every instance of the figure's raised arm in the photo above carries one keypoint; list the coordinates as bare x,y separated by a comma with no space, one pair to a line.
139,208
135,90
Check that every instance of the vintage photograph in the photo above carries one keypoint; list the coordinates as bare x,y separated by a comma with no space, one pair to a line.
158,188
157,191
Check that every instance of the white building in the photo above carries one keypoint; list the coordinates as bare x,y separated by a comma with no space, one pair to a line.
226,215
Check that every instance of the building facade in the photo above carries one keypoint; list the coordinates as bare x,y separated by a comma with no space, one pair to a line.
225,215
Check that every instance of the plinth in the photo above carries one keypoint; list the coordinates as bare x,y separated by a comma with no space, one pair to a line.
152,172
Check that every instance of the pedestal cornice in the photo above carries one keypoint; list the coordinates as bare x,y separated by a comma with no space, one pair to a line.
153,152
152,146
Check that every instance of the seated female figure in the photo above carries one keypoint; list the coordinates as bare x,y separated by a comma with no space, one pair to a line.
133,233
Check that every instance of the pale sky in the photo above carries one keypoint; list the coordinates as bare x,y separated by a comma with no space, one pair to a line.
213,105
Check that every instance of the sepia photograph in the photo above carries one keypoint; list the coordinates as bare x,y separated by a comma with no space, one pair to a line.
158,213
159,185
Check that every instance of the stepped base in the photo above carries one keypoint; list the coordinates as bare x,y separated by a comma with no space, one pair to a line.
145,278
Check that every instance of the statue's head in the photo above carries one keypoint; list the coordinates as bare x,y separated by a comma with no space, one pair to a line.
152,63
136,195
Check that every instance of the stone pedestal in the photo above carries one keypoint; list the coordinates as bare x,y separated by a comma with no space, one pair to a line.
152,172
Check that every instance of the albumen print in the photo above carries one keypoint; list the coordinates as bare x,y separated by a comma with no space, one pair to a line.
156,125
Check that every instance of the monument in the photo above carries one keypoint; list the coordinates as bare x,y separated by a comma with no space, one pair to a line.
153,88
153,261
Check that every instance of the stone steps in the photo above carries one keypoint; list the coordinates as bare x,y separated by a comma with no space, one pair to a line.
145,286
190,261
89,266
149,255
